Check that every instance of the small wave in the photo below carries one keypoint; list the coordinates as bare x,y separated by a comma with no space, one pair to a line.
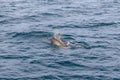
51,14
8,19
50,65
45,77
50,77
99,46
1,16
65,77
68,37
87,25
35,62
68,64
4,22
38,34
83,45
64,26
101,24
14,57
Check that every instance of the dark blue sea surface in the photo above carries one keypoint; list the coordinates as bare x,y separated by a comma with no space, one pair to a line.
26,53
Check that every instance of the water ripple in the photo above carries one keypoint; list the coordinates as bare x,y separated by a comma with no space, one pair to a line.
30,34
14,57
26,53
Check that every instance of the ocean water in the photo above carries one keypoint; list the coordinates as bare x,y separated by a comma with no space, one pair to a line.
25,51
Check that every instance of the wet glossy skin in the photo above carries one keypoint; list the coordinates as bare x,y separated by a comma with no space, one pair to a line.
56,40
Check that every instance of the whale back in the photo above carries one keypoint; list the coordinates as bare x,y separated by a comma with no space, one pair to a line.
56,40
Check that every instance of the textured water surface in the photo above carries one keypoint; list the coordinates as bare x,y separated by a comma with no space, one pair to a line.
26,25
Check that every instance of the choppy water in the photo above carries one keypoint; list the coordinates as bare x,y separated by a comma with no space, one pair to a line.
25,26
